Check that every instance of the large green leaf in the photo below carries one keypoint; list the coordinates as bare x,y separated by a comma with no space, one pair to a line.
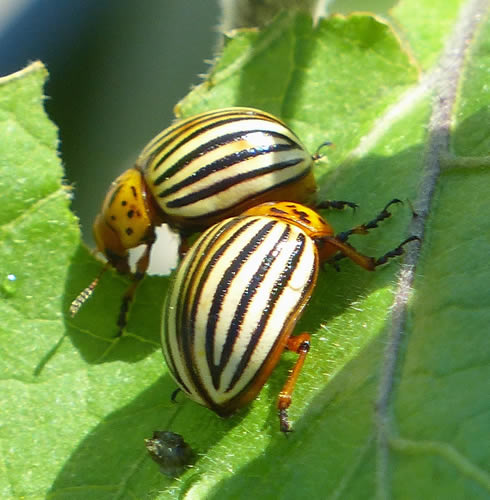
393,400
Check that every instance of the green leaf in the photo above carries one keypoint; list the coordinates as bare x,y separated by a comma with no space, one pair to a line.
392,400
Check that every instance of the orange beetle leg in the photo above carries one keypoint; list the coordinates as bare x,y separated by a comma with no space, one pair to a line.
346,250
368,263
301,345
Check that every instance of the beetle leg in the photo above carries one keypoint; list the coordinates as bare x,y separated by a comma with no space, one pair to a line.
128,297
364,228
334,261
366,262
395,252
301,345
336,204
184,245
344,249
174,395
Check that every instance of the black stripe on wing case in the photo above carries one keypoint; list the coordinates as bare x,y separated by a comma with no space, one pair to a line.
211,145
226,282
200,250
276,292
172,134
221,164
190,306
243,306
227,183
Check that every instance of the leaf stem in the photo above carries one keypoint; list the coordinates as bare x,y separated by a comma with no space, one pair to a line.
448,75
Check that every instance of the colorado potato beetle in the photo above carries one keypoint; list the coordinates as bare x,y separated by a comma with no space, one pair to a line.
195,173
238,294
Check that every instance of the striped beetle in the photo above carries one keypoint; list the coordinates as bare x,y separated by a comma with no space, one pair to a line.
195,173
238,294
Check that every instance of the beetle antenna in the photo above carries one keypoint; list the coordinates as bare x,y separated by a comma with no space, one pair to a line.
319,155
85,294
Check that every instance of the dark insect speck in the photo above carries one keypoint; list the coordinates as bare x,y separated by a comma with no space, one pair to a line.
170,452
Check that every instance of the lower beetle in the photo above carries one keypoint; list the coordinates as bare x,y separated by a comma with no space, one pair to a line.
238,294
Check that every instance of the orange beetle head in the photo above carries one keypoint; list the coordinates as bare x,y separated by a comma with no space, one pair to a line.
125,220
109,243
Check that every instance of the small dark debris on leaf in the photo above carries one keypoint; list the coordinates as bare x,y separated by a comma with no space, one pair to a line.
170,452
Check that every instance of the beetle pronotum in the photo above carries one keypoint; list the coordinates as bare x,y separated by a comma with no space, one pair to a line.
195,173
238,294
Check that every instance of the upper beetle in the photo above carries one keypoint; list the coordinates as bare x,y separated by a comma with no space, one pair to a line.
199,171
195,173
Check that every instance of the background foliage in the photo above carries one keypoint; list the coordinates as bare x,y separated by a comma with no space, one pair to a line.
77,404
